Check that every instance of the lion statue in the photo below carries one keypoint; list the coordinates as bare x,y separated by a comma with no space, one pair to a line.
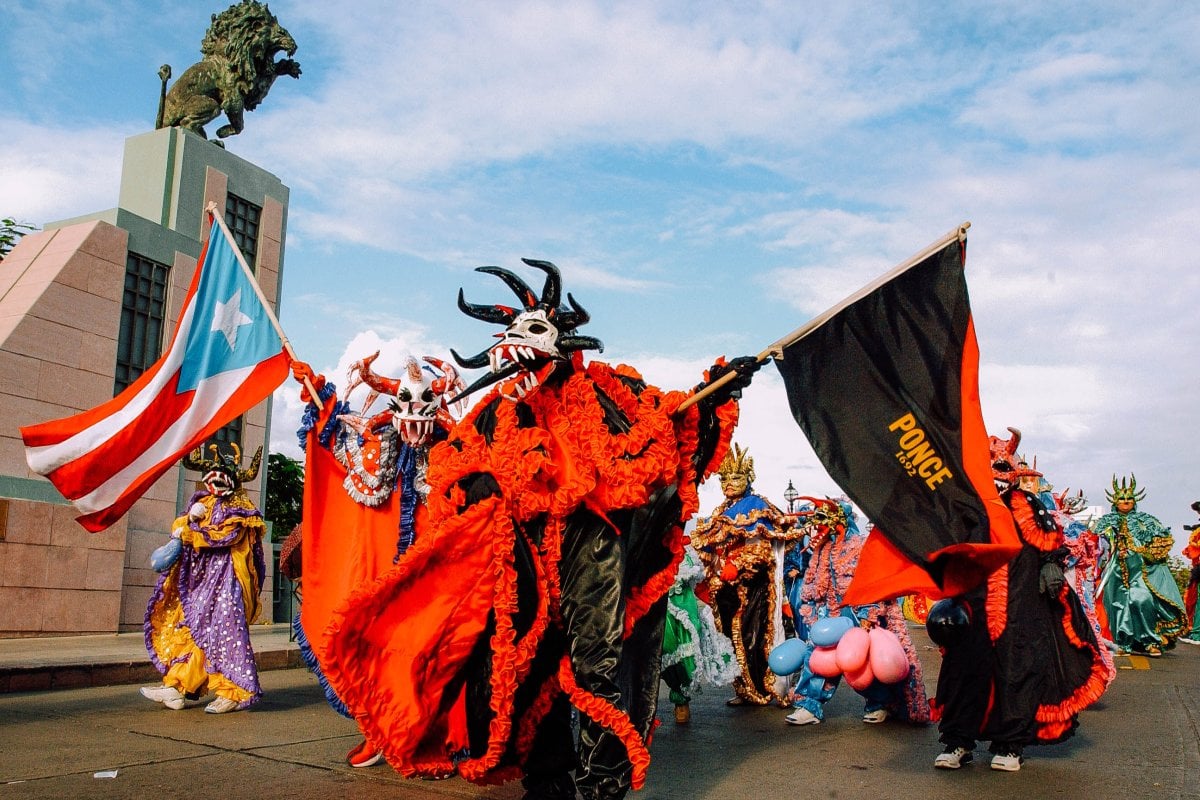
235,75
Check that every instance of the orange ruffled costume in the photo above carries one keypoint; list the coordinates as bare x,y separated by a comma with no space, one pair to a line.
554,530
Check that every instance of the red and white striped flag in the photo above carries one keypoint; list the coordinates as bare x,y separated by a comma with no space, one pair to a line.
226,356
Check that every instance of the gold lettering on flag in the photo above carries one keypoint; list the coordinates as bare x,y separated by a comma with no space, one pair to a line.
916,455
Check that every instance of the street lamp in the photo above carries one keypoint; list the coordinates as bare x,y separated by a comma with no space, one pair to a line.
791,495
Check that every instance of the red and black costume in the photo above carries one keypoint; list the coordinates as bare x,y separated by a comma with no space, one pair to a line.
555,527
1027,662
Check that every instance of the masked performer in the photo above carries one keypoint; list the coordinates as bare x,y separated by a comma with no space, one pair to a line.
694,653
1020,659
836,542
555,516
364,487
1082,565
1142,601
742,546
1192,554
198,619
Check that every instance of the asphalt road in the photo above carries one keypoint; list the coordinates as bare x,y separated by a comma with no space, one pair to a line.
1140,741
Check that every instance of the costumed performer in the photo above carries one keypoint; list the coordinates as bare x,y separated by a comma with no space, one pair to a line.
1082,566
694,653
1192,554
836,542
1141,599
1019,657
555,528
742,546
363,490
197,623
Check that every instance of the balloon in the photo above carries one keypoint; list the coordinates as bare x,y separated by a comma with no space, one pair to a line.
947,622
862,677
787,656
852,650
823,662
826,631
888,660
163,557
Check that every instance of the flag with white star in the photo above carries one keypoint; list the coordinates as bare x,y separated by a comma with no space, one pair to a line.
226,357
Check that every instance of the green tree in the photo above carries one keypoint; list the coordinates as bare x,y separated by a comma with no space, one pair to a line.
10,232
285,494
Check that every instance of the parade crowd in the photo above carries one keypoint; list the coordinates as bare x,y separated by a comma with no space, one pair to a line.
498,593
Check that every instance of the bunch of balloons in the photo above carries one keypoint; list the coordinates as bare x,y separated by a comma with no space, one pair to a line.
839,646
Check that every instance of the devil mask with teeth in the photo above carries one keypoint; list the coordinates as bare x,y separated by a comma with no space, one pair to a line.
417,397
1007,467
539,343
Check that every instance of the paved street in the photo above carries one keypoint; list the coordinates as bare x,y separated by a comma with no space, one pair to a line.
1140,741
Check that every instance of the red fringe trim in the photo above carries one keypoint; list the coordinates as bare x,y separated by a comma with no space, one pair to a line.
1027,526
996,603
609,716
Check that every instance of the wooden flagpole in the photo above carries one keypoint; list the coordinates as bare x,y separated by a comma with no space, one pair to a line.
776,349
212,209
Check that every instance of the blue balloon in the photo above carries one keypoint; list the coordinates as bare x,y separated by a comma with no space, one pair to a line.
163,557
827,631
787,656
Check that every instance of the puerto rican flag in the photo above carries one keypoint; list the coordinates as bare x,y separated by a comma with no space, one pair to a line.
226,356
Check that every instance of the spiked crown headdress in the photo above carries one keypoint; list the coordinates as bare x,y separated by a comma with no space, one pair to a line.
1125,491
737,462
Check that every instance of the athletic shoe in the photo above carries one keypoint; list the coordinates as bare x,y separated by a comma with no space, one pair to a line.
1188,640
363,755
683,714
162,694
802,716
876,716
222,705
1007,762
953,758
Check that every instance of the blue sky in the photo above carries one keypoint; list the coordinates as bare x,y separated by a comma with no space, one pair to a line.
708,176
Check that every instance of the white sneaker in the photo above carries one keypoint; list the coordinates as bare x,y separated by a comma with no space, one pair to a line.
802,716
162,694
954,758
876,716
1188,640
221,705
1006,762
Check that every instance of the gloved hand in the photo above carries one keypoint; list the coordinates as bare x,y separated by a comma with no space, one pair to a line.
1051,578
300,371
743,366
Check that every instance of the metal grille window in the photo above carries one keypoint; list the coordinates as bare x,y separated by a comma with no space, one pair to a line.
143,308
242,217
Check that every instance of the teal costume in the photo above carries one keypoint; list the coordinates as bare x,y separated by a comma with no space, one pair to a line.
1145,609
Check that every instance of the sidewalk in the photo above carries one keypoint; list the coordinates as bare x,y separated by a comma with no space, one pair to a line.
74,662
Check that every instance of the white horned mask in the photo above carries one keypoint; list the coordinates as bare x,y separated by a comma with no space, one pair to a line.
538,338
418,396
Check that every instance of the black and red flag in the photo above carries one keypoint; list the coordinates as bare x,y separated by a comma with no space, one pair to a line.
887,391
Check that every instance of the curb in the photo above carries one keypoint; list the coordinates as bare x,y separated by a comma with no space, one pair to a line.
81,676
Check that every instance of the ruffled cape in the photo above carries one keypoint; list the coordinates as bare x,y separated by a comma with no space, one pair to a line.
401,652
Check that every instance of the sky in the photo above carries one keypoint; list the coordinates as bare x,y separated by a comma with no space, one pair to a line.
708,176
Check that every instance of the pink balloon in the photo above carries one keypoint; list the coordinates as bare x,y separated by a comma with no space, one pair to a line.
852,650
823,662
862,677
888,660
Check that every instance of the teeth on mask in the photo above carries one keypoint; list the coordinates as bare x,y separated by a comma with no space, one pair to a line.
527,352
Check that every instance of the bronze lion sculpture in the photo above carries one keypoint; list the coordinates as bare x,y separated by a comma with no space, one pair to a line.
236,73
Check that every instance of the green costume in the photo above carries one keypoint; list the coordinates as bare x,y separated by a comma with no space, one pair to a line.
1145,609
